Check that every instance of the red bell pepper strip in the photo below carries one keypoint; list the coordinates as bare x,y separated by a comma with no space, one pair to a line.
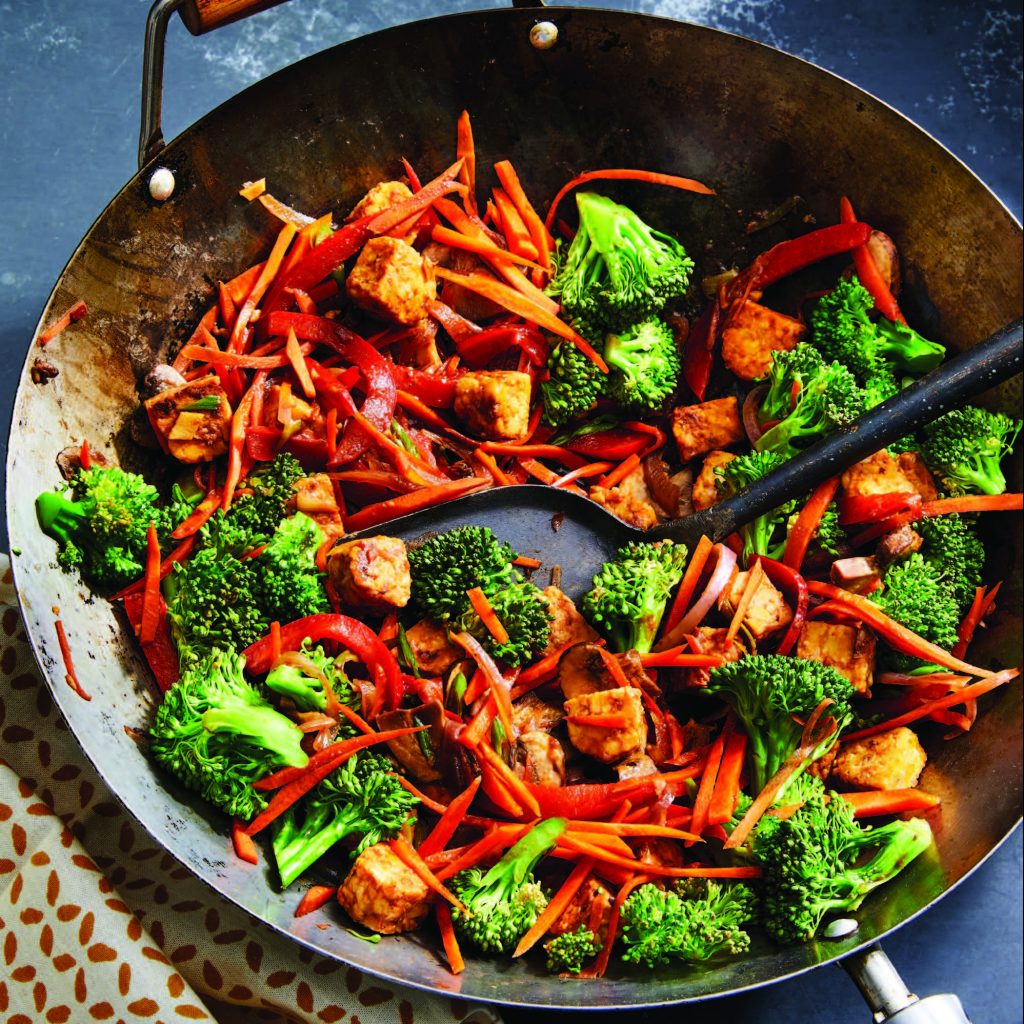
867,270
150,618
315,897
75,313
699,350
70,675
263,443
870,508
884,526
245,848
615,444
893,633
489,344
179,554
402,505
795,587
807,522
357,637
436,389
160,653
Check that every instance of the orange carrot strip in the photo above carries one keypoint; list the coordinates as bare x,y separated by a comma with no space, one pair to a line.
973,503
702,802
267,275
359,722
610,721
807,522
70,675
615,669
688,584
489,463
75,313
479,724
582,472
181,552
515,230
512,782
980,607
298,364
245,848
551,913
150,617
660,870
499,689
411,859
617,475
500,838
315,897
478,599
601,963
480,245
449,821
727,785
990,682
890,801
539,234
212,357
618,174
627,828
451,944
676,657
753,582
515,302
525,562
199,516
465,149
239,422
252,189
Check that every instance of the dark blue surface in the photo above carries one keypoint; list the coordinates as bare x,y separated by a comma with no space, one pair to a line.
69,86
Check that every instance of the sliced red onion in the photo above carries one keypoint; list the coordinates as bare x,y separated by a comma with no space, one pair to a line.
726,562
751,407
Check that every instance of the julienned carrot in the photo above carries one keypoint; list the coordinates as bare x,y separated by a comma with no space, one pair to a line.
659,870
294,352
411,859
535,451
526,562
76,312
614,667
236,443
989,682
498,839
516,233
627,828
616,720
448,939
974,503
702,802
754,577
315,897
245,848
499,688
70,675
478,599
980,607
676,657
215,358
150,618
617,475
449,821
890,801
480,245
727,786
688,584
263,282
620,174
511,781
516,302
582,473
807,522
359,722
551,913
466,151
539,234
424,497
479,725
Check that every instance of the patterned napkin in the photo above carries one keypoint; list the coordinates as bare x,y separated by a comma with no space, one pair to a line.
97,923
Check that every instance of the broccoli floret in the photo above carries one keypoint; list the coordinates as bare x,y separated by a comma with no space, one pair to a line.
692,922
361,798
953,548
916,594
217,735
567,952
771,691
813,863
766,535
102,527
445,567
843,330
644,363
830,535
573,385
965,446
629,595
290,585
798,366
506,901
823,402
272,485
526,616
618,270
301,680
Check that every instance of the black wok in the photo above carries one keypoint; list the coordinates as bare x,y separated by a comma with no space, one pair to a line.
757,125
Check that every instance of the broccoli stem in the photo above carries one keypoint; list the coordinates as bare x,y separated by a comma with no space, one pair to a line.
263,726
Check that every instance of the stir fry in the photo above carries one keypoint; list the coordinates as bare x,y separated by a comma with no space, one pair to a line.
676,760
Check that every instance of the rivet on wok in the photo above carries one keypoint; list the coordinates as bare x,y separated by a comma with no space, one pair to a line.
161,184
840,928
543,35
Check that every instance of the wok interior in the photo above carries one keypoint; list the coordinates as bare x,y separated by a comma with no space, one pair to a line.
618,90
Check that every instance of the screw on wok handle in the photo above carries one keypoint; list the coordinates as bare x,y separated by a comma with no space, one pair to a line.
889,998
951,385
199,16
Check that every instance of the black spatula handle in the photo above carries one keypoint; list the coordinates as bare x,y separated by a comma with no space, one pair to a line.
989,363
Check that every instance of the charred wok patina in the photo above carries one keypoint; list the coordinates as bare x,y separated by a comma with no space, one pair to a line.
757,125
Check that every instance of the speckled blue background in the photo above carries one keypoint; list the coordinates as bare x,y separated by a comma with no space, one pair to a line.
69,87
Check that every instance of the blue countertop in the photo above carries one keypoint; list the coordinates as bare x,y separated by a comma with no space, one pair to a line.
69,87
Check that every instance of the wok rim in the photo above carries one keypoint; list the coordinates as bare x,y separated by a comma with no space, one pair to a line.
61,693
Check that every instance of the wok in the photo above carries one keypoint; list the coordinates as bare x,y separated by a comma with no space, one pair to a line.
756,124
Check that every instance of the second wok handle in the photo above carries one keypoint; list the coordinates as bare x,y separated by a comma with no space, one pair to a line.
956,381
205,15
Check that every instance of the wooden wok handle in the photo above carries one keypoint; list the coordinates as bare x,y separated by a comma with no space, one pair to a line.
205,15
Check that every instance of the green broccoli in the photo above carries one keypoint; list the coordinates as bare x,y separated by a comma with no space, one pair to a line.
526,616
694,921
952,547
823,402
843,330
813,863
770,692
361,798
629,595
573,385
618,270
449,564
916,594
797,367
965,446
290,585
644,365
217,735
293,679
567,952
504,903
830,535
272,487
102,528
766,535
